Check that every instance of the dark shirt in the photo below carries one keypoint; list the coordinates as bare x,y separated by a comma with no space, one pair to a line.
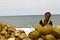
50,22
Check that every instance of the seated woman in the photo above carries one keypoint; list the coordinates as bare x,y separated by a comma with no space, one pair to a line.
46,20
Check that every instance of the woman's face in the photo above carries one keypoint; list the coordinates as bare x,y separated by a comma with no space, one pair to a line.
47,16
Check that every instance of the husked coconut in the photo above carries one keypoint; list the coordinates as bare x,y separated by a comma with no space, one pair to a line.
11,39
27,39
23,35
40,39
3,26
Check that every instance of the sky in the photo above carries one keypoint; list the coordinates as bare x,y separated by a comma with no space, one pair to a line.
28,7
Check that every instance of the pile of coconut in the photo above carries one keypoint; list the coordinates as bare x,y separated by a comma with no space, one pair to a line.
47,32
8,32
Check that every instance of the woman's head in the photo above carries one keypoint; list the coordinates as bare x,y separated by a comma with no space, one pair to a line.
47,15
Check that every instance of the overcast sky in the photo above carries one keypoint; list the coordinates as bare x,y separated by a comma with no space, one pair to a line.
29,7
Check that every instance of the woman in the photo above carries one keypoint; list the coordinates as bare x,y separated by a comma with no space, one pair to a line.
46,20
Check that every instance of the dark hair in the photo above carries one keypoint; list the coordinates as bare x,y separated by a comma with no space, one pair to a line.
48,13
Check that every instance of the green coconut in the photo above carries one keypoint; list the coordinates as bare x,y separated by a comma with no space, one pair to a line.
33,35
47,29
50,37
38,28
56,32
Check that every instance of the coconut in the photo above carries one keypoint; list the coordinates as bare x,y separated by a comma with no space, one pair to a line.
47,29
7,36
11,39
27,39
3,32
56,31
3,25
33,35
4,29
38,28
22,31
50,37
23,35
10,28
40,39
